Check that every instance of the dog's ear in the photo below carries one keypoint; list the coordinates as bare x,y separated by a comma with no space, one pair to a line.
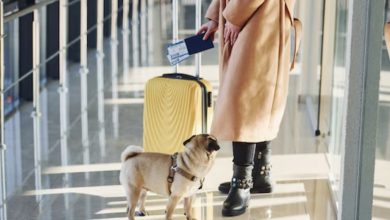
188,140
213,145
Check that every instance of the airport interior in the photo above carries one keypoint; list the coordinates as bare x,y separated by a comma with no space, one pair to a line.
72,88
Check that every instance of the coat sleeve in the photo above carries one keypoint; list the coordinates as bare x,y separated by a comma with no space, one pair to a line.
238,12
213,11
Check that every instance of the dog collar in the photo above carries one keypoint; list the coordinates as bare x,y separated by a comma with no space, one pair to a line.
175,169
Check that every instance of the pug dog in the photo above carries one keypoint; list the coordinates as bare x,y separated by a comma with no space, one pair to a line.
142,172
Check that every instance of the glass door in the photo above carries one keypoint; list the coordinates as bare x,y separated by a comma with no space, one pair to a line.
309,63
333,87
347,106
338,100
381,200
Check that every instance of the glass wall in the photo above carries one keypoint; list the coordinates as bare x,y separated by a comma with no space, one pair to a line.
334,113
336,124
10,65
309,64
381,200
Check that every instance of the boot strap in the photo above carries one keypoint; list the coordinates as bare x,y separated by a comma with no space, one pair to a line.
242,183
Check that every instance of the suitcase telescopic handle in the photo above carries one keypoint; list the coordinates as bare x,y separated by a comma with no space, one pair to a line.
175,32
175,25
198,21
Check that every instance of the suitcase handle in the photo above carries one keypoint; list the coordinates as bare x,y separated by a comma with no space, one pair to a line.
180,76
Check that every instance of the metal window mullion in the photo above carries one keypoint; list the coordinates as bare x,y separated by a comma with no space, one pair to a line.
125,40
114,86
114,65
83,34
3,202
36,61
100,26
2,73
365,30
163,19
43,40
135,33
150,31
36,114
114,19
63,91
63,27
125,17
36,76
84,83
100,99
63,85
100,76
144,48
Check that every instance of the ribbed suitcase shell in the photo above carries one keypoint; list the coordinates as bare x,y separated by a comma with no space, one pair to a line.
176,107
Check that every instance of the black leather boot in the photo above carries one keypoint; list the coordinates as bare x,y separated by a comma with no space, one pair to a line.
239,195
261,173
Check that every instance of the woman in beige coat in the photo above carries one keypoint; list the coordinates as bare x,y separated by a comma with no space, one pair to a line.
254,68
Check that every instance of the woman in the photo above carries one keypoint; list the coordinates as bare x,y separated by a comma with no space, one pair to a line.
254,67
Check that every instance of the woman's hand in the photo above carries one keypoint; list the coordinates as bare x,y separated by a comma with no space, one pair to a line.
231,32
209,29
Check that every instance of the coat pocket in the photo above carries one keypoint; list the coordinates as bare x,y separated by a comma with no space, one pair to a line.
290,10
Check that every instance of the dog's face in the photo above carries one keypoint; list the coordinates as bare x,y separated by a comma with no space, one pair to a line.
204,142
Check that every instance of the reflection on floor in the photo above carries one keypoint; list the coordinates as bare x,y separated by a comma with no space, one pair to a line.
304,196
78,179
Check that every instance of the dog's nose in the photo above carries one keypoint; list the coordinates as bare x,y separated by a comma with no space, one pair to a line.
213,146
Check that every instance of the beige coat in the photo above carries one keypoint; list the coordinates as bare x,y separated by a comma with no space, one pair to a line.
254,72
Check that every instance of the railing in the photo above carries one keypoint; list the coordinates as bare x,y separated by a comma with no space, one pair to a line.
64,45
140,23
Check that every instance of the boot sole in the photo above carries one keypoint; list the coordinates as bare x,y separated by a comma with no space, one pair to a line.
231,213
253,190
261,190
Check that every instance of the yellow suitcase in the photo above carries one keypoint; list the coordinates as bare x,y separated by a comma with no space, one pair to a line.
176,107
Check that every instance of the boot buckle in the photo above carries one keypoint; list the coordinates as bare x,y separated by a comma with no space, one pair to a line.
266,170
242,183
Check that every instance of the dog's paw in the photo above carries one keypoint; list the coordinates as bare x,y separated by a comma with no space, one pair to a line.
140,213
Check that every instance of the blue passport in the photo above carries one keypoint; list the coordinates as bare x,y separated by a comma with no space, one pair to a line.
196,44
183,49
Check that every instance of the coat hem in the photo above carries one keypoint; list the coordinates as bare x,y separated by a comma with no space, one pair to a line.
243,139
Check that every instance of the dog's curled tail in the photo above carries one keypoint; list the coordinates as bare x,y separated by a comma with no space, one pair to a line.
131,151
